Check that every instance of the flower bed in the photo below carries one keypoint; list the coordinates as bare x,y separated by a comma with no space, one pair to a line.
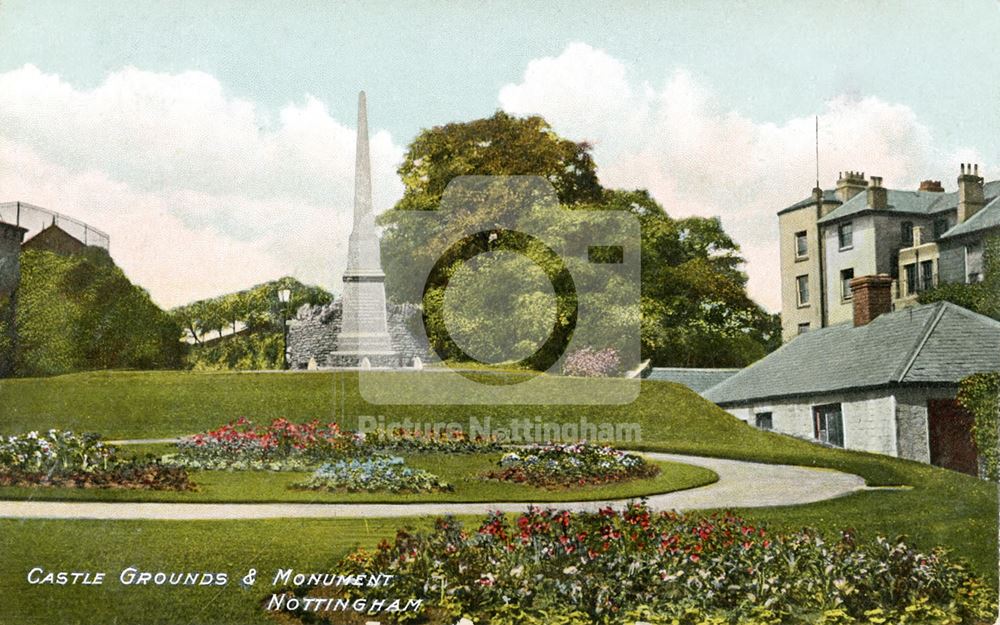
381,473
632,565
286,446
62,458
577,464
279,446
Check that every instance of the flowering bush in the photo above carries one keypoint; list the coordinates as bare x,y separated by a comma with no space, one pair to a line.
593,363
575,464
549,566
280,446
287,446
380,473
62,458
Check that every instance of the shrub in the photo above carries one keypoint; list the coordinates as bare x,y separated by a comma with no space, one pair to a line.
62,458
381,473
592,363
623,566
576,464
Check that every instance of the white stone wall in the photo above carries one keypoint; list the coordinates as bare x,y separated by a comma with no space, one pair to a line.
893,422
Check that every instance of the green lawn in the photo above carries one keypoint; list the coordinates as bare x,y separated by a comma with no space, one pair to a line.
233,547
942,507
460,470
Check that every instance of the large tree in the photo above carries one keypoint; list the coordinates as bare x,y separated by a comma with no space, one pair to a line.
695,309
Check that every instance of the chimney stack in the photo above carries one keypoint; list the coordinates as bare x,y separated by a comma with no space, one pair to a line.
872,296
878,197
970,192
931,185
849,184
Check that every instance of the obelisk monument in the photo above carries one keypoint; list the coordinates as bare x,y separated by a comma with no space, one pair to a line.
364,331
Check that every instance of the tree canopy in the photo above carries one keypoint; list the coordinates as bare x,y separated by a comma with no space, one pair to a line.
251,310
694,304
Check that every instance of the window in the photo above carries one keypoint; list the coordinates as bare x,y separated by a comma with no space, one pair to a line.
926,274
764,421
940,227
803,327
801,245
906,233
846,275
802,287
910,273
829,424
845,235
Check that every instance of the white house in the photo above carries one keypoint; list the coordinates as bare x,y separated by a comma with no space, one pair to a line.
884,382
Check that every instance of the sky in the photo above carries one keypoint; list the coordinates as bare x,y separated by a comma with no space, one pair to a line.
214,141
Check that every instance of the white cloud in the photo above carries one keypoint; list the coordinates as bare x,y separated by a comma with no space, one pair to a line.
201,192
699,158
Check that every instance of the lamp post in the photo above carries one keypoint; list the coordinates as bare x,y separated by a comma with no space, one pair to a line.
284,296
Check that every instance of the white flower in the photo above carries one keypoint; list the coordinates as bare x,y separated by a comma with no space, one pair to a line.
570,570
465,621
32,435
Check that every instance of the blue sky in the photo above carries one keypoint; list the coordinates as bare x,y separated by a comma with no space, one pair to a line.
919,75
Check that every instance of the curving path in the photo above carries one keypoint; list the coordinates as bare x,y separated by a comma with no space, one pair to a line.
741,484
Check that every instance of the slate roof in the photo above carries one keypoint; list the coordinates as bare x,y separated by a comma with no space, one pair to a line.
930,344
913,202
987,218
829,195
697,380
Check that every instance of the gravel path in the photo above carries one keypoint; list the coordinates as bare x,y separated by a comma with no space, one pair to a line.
741,484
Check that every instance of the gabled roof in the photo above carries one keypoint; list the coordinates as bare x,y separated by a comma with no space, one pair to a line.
986,218
913,202
697,380
930,344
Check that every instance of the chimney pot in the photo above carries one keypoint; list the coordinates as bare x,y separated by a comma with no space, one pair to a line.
850,184
970,192
871,296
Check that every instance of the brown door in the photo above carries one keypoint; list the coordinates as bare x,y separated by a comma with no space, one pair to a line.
950,432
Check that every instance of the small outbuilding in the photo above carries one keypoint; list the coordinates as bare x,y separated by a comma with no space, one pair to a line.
886,383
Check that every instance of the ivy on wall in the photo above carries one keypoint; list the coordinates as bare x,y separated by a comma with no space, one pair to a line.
980,395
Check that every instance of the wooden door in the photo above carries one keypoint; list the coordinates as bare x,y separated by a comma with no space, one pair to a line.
950,435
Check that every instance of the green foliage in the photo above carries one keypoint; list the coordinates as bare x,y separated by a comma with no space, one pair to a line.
717,569
81,312
694,305
981,297
980,395
247,351
253,319
253,309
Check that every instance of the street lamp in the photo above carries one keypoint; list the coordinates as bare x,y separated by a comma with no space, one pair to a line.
284,296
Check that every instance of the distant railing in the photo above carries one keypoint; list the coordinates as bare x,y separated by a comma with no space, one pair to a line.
36,218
